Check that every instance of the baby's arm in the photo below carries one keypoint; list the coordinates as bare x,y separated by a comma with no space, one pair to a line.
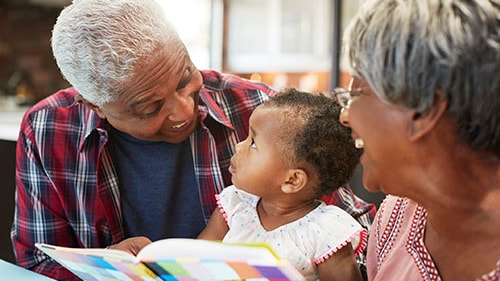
340,266
216,228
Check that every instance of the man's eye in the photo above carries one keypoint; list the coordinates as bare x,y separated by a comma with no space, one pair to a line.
185,80
252,144
151,112
148,115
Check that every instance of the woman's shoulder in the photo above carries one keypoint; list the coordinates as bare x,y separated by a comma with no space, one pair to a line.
395,210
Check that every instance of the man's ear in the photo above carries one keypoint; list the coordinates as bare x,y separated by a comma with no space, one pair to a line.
92,106
419,124
296,180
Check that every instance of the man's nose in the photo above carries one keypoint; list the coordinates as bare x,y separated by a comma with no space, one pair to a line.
181,108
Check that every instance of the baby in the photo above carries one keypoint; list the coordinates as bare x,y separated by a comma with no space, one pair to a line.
295,152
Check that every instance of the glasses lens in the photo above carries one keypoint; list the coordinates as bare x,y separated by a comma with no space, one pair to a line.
343,96
344,99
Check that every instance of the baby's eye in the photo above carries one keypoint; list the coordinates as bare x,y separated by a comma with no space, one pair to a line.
252,144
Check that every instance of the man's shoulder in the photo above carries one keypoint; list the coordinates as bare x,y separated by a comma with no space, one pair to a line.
60,107
214,81
232,94
62,98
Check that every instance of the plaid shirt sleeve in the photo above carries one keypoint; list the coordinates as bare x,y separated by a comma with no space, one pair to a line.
38,215
56,187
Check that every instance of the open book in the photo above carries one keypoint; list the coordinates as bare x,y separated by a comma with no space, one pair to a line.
176,259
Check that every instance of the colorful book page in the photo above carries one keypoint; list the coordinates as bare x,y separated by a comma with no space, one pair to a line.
97,268
193,269
215,261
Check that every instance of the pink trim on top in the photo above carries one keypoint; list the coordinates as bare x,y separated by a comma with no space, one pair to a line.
221,209
492,276
363,241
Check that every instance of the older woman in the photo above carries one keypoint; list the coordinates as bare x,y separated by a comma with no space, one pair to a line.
424,105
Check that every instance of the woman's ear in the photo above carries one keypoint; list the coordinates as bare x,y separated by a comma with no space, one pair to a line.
296,180
419,124
92,106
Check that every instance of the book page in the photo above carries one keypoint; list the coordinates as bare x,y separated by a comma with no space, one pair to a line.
175,248
176,259
193,259
99,264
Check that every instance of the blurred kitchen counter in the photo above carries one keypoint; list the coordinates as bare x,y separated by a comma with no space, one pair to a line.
11,116
10,122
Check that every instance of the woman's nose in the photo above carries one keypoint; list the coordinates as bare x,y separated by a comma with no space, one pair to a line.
344,117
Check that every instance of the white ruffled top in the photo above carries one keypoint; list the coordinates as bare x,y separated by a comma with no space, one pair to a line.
305,242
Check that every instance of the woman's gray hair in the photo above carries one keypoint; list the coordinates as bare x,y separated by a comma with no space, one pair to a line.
97,43
411,52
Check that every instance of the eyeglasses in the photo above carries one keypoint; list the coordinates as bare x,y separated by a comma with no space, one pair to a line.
344,96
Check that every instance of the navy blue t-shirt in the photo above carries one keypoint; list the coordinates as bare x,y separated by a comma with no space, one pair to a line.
159,194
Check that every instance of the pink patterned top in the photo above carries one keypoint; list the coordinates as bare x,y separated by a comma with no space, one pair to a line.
396,249
305,242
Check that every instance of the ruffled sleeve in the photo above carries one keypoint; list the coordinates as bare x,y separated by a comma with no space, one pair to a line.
338,228
232,201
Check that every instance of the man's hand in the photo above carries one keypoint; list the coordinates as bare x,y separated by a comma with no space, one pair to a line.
131,245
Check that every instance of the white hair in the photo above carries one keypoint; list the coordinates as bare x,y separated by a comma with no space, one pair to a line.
408,49
97,43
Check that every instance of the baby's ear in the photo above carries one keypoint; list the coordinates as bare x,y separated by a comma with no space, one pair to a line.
296,180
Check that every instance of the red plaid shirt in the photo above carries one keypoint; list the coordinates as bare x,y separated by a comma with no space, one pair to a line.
67,186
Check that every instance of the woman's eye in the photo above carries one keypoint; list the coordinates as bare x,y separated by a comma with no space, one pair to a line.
252,144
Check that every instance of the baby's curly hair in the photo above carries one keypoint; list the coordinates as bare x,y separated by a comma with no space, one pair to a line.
312,135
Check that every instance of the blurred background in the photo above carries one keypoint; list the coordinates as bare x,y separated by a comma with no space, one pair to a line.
284,43
280,42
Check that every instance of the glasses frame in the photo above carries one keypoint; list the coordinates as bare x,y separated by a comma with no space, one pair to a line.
344,97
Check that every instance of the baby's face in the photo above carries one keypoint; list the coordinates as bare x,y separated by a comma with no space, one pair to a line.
258,166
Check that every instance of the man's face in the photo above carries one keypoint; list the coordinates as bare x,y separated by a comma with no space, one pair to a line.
160,102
